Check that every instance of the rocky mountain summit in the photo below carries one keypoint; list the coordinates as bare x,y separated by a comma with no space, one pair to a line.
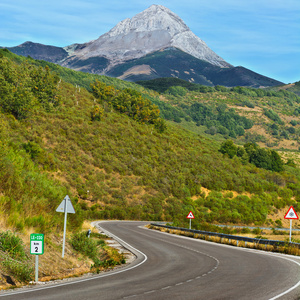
154,29
153,44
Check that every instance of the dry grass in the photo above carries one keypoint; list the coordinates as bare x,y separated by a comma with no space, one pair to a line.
51,264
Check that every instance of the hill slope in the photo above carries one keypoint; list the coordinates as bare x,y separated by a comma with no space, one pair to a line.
269,117
114,165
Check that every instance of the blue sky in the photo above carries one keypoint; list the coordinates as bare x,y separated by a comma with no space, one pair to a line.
262,35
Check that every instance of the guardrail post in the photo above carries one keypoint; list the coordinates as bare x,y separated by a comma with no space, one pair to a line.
208,236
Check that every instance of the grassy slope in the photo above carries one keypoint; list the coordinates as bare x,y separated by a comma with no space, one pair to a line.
117,168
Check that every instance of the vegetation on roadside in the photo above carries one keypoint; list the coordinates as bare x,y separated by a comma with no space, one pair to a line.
95,248
13,257
287,248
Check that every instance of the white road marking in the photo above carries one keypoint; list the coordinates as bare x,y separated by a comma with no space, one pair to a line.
279,255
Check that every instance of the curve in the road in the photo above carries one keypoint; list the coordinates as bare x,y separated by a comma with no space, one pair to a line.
170,268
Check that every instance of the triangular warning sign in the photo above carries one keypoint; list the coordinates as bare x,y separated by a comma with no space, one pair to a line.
190,216
291,214
66,203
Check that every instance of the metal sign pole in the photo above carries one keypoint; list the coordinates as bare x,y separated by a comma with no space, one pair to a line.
190,223
65,229
66,207
37,248
36,268
291,230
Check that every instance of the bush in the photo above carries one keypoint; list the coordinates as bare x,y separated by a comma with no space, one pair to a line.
12,244
229,148
84,245
13,257
177,91
273,116
22,271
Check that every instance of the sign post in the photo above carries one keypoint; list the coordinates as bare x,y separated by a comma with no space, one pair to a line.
190,216
291,215
36,248
66,207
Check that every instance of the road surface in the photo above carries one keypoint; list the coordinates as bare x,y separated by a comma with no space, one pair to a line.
179,268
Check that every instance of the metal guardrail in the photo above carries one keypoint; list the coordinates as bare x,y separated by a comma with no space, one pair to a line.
232,237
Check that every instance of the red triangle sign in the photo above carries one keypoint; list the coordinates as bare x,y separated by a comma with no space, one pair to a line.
291,214
190,216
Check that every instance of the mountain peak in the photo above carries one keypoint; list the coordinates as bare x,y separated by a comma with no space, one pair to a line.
154,18
153,29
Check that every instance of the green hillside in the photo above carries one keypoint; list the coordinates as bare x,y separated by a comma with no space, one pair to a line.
269,117
107,148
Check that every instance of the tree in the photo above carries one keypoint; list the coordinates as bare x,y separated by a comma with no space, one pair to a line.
229,148
177,91
276,162
129,102
102,91
261,159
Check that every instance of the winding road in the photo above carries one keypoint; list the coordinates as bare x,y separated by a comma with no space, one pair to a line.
179,268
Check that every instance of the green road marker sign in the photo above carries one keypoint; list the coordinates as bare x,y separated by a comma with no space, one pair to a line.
36,248
37,243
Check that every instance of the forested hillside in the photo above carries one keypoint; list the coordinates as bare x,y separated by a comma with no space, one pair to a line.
107,146
269,117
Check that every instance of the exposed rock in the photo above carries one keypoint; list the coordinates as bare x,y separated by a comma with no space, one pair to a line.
153,29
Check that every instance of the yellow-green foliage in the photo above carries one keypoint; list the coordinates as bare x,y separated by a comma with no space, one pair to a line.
25,87
129,102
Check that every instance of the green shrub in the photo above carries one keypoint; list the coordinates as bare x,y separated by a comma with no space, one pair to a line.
12,244
84,245
23,271
13,257
278,223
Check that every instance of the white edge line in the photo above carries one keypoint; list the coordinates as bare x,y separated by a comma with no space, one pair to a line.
86,279
293,287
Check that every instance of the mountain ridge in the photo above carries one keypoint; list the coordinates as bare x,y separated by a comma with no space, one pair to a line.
150,30
156,29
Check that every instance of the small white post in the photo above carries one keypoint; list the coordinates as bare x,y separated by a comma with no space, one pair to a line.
291,230
65,229
36,268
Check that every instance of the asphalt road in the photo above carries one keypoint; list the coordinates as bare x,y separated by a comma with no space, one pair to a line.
173,267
